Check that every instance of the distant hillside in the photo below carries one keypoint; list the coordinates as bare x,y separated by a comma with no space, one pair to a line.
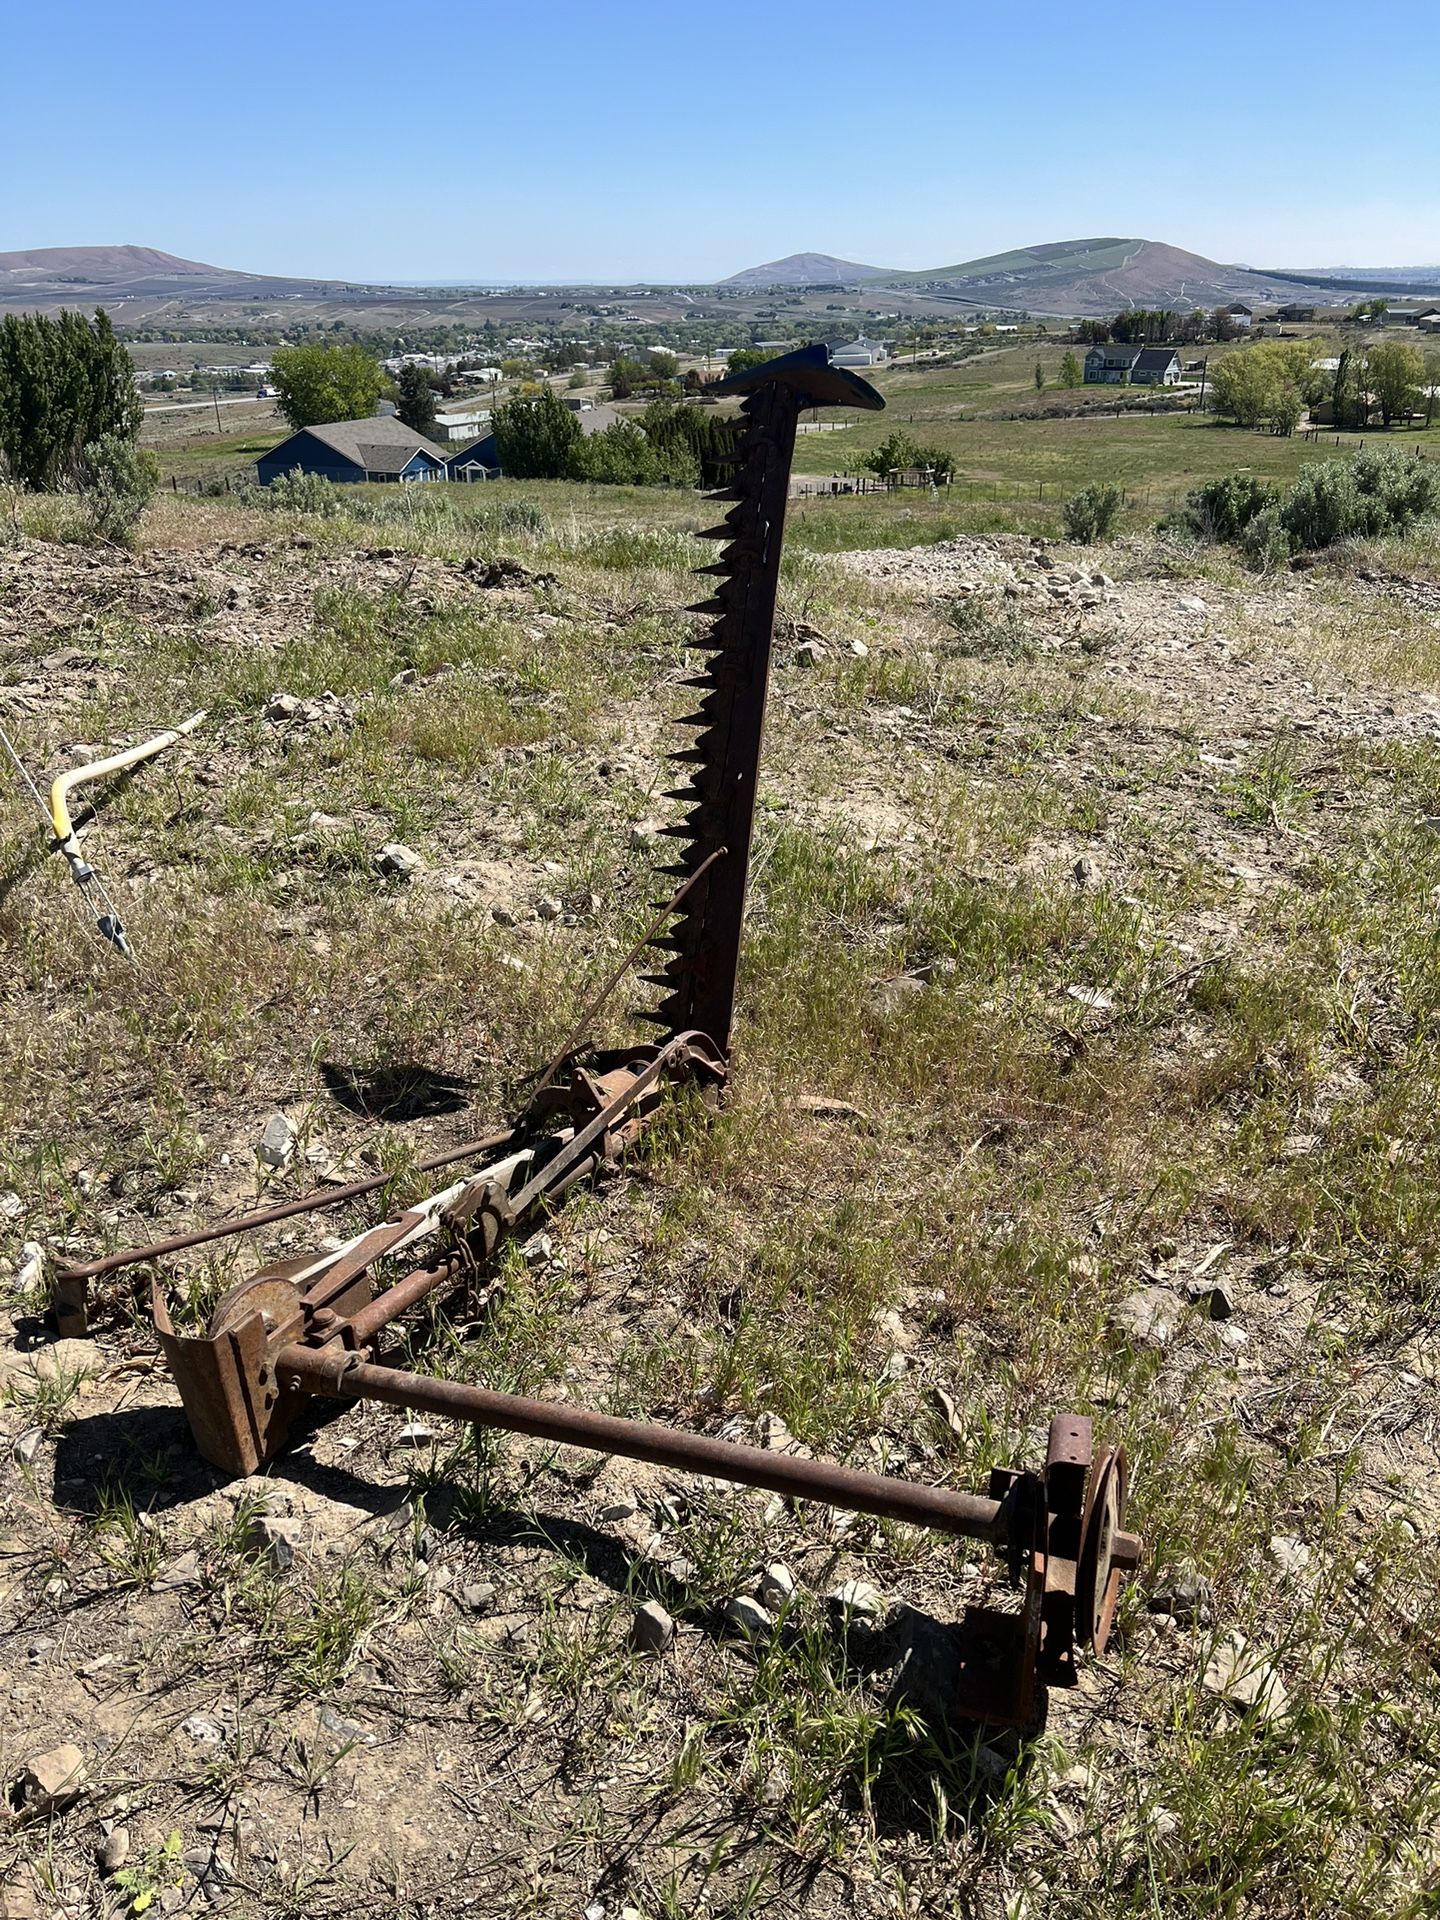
806,270
1100,276
112,276
1096,276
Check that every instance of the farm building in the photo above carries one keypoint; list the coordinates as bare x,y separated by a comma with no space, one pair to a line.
859,353
460,423
1242,315
380,448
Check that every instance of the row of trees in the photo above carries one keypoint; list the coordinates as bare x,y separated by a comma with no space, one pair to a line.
1161,327
1272,383
537,437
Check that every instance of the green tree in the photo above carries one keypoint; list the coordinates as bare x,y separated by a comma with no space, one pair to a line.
1222,324
625,374
65,382
698,436
1395,374
1072,374
898,451
417,401
624,455
1265,384
316,384
1039,378
536,438
745,358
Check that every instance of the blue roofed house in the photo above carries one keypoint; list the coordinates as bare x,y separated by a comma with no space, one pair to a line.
380,448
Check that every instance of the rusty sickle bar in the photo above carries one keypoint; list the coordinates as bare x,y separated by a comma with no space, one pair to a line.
312,1328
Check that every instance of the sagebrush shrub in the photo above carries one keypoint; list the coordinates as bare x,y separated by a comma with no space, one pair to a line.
1091,514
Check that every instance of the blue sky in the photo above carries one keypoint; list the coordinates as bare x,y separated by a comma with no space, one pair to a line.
642,141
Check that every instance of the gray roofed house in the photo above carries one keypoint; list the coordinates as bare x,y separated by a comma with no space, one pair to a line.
1108,363
1156,367
1117,363
379,448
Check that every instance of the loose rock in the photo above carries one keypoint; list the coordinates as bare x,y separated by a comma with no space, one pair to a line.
184,1572
31,1268
777,1586
747,1615
1213,1298
1145,1316
398,861
653,1629
273,1540
857,1599
1289,1554
1247,1677
52,1780
893,996
277,1143
200,1728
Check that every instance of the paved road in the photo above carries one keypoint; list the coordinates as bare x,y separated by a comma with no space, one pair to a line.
189,406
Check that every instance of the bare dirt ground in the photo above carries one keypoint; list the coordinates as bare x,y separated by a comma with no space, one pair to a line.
1085,1059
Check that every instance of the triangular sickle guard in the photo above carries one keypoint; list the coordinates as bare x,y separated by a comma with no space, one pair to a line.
705,938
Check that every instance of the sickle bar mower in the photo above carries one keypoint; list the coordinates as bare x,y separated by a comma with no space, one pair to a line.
312,1328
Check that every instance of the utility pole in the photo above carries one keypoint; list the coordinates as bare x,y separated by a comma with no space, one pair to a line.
215,396
1204,365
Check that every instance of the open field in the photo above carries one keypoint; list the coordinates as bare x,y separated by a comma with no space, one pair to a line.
1159,455
1012,473
1101,912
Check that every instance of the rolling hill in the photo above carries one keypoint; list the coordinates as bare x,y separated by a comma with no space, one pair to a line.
806,270
1100,276
1094,276
74,276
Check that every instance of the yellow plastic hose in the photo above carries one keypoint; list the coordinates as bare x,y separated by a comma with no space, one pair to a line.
98,769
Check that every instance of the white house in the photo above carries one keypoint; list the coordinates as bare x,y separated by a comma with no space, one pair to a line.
466,423
860,353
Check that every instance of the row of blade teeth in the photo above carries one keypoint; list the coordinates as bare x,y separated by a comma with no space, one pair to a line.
698,792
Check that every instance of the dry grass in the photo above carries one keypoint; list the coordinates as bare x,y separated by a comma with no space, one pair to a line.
1250,1067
